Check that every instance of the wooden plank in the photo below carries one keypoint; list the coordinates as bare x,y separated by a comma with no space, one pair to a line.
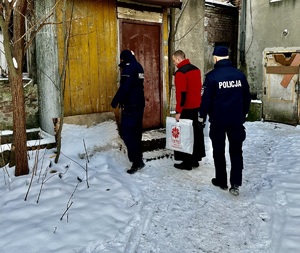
166,3
282,70
284,60
112,54
85,87
288,77
93,76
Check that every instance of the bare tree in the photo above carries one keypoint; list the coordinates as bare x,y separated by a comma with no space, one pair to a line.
14,48
14,15
66,27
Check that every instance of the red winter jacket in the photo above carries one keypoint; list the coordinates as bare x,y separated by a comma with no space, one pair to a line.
188,86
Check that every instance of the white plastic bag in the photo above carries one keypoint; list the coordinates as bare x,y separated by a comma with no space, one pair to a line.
180,135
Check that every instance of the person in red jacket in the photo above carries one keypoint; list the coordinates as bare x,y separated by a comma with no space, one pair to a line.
188,87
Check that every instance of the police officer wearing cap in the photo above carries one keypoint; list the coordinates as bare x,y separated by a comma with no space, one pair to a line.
130,98
226,100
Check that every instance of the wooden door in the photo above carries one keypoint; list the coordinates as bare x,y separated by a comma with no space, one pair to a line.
144,40
91,77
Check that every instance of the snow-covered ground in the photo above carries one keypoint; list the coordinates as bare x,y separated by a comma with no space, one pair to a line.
159,209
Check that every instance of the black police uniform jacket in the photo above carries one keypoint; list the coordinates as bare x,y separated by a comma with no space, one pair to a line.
130,94
226,98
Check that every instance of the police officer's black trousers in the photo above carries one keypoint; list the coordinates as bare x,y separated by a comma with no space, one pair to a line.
131,130
236,135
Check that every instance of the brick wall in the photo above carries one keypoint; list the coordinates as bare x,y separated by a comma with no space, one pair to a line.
221,27
31,105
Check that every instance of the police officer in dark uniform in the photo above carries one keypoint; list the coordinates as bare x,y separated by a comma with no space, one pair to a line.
226,100
130,98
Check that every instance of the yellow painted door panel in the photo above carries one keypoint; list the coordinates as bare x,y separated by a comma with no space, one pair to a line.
92,63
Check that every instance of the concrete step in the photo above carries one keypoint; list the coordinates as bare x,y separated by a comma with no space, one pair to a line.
154,139
6,137
36,139
154,145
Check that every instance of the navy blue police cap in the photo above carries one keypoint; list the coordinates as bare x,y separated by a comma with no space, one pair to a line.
220,51
125,54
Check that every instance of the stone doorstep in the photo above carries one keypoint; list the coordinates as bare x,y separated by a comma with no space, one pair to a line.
154,139
154,145
151,140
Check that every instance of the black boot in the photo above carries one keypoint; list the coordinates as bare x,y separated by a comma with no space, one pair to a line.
183,166
195,164
215,182
135,167
234,190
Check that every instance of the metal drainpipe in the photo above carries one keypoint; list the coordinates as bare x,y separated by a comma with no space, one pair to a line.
243,31
171,48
